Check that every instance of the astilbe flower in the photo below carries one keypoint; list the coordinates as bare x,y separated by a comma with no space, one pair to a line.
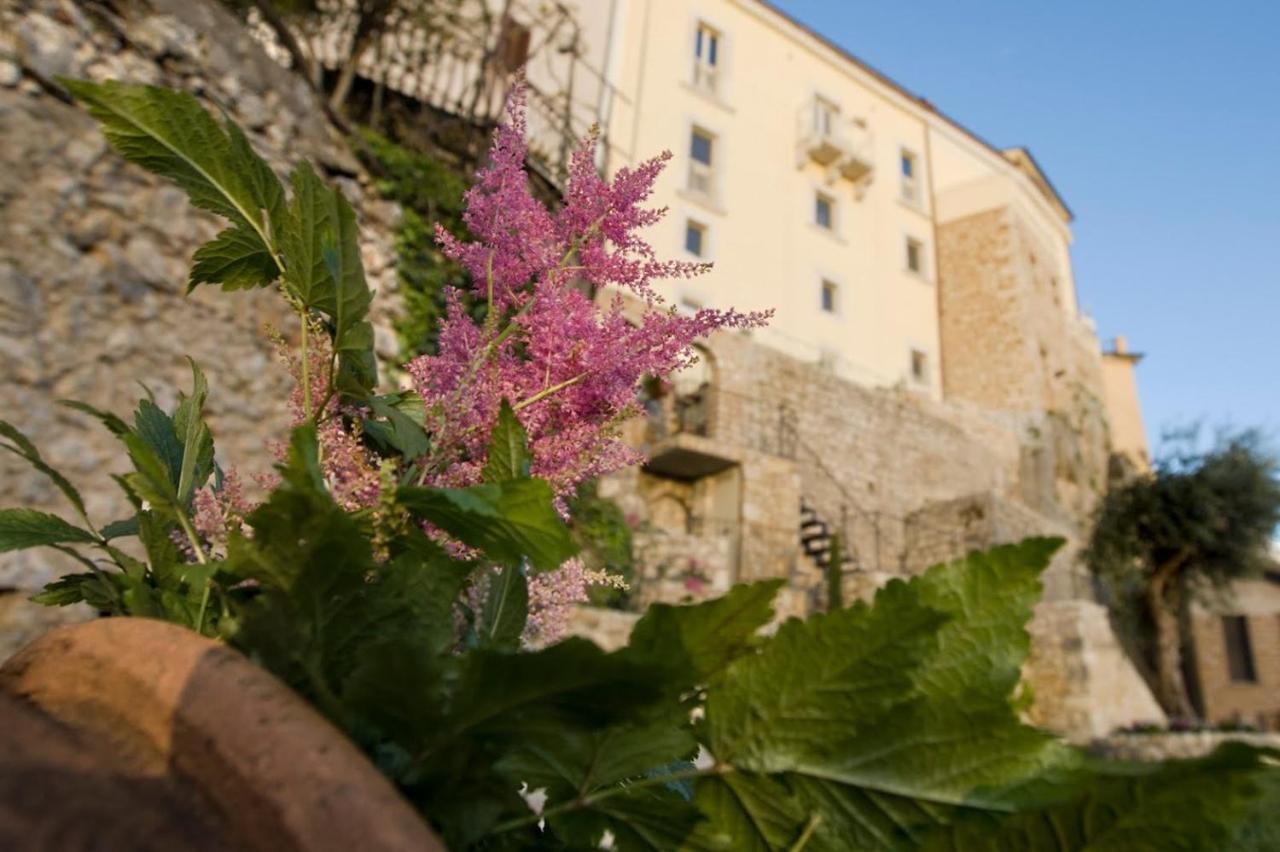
350,469
216,513
569,366
554,594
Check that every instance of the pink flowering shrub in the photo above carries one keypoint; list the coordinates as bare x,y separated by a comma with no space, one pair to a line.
559,342
569,366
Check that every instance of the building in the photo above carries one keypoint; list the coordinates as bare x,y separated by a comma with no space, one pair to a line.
1235,654
928,385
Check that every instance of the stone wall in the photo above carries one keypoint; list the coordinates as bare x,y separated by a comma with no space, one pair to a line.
1082,683
1009,344
94,251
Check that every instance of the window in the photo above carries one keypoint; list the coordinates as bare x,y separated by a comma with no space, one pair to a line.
701,150
706,58
824,211
915,256
1235,629
695,238
825,116
830,296
910,177
919,366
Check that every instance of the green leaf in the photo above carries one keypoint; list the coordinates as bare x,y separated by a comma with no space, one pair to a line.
696,642
114,424
572,680
325,273
1228,800
401,426
601,769
120,529
22,446
748,813
506,608
197,442
236,258
64,591
508,448
508,521
156,430
23,528
883,721
169,133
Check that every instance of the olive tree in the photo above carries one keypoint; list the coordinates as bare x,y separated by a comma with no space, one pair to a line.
1198,520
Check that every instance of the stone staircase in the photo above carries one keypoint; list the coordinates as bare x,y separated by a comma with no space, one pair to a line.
816,537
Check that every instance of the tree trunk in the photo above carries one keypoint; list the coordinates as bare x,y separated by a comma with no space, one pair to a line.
1164,598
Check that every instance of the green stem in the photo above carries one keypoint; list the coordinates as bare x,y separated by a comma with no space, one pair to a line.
200,557
810,827
616,790
306,367
546,392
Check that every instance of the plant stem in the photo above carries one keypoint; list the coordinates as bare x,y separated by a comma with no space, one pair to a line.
200,557
616,790
810,827
306,366
546,392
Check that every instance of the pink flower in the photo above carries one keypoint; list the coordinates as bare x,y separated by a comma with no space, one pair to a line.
570,366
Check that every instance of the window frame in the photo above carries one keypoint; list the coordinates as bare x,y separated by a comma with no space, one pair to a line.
915,247
819,198
921,376
825,286
910,184
706,67
692,225
1242,664
699,170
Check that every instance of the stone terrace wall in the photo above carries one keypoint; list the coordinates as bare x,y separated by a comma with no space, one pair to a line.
94,251
873,456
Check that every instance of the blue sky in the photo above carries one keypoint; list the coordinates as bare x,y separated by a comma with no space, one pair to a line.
1160,126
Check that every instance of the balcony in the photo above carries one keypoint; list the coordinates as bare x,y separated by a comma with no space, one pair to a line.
678,433
858,160
842,147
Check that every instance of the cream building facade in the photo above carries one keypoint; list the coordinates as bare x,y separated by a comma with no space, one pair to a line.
815,185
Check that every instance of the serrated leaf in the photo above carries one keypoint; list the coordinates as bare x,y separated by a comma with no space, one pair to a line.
1228,800
508,448
325,273
883,721
600,769
156,430
401,427
236,259
23,528
506,608
508,521
119,529
167,132
22,446
696,642
114,424
64,591
197,442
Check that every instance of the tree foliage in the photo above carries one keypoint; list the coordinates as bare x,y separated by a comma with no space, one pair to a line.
1200,519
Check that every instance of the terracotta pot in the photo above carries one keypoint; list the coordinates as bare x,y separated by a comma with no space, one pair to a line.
216,747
